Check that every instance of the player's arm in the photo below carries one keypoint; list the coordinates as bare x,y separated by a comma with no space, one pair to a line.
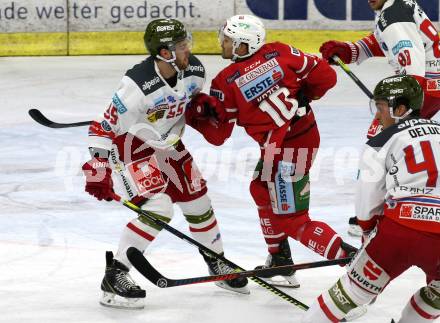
370,188
209,115
317,79
117,118
351,52
405,48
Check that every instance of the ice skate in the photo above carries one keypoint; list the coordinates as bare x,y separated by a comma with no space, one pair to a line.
353,227
119,289
282,258
217,267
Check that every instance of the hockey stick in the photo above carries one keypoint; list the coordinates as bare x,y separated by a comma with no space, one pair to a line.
41,119
352,76
206,250
148,271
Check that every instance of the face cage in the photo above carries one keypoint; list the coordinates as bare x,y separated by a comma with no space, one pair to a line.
392,105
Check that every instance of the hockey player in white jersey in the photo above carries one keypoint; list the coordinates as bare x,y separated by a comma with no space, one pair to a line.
398,207
408,38
140,136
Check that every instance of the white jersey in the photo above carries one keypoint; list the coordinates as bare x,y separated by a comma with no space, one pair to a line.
146,106
401,164
406,37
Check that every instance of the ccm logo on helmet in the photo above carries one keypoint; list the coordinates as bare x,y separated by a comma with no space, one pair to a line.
165,28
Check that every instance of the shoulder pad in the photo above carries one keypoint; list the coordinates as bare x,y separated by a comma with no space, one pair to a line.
195,68
399,11
145,76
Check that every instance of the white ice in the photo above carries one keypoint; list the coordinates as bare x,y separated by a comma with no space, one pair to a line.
53,236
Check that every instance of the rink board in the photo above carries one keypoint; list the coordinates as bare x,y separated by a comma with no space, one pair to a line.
122,43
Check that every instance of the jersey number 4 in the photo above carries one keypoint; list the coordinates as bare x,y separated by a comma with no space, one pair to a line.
428,164
279,106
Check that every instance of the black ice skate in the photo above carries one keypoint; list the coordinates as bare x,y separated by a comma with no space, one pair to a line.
119,289
217,267
282,258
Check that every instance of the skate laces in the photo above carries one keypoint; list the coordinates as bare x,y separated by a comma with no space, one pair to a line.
125,280
222,268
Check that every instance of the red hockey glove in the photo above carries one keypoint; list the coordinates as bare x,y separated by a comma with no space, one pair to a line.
206,106
99,178
346,51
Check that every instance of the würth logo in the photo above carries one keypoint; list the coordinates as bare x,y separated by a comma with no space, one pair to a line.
371,271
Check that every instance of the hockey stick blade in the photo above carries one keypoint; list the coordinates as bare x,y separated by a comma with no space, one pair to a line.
148,271
41,119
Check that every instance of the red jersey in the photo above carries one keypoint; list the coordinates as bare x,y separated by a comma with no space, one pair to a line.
260,92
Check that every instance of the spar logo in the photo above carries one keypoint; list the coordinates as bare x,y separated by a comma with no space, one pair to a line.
433,85
420,212
371,271
147,175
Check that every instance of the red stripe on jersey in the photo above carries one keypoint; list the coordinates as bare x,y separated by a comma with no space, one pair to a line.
312,61
421,312
326,310
373,45
209,227
143,234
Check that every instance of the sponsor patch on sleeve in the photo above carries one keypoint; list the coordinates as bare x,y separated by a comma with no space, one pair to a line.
118,104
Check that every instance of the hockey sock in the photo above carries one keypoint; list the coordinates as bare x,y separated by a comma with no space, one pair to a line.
424,306
138,233
205,230
272,234
321,238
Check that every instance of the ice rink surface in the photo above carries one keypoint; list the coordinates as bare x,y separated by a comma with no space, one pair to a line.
53,236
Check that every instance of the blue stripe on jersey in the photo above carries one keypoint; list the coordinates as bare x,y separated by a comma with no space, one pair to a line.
432,75
420,200
365,48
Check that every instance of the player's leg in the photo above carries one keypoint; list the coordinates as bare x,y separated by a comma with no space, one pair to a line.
196,206
364,280
275,237
367,276
119,289
424,305
204,228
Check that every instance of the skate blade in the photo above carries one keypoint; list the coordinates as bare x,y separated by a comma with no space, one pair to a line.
283,281
241,290
355,230
356,313
116,301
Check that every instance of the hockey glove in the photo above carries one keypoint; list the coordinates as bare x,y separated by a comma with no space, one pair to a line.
346,51
99,178
206,106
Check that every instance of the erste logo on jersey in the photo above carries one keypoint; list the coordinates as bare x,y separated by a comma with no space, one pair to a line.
260,79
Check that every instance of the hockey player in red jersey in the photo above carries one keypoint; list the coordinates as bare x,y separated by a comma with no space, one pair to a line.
138,138
266,90
398,207
407,37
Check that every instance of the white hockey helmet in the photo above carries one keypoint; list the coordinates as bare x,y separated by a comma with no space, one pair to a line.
246,29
